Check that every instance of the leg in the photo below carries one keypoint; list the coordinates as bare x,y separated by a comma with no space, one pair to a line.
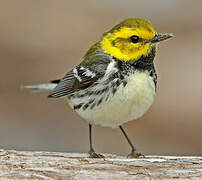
133,153
92,152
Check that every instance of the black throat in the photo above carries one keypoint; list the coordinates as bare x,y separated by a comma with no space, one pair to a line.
144,63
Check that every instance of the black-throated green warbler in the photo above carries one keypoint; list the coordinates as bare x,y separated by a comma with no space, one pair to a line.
116,80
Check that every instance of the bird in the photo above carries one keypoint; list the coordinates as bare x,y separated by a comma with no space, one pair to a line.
116,80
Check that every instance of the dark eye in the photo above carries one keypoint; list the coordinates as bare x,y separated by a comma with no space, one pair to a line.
134,39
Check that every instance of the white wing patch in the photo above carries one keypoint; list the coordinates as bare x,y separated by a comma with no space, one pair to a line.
75,72
87,72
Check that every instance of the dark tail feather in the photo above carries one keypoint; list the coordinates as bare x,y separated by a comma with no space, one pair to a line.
56,81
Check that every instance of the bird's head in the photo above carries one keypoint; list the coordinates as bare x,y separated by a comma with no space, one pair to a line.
131,39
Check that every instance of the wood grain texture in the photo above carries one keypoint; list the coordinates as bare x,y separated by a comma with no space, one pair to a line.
64,166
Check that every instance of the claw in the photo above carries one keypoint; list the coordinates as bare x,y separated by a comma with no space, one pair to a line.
93,154
135,154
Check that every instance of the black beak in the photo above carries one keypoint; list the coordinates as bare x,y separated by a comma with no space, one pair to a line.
160,37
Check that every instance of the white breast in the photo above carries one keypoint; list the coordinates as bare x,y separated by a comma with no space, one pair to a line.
128,103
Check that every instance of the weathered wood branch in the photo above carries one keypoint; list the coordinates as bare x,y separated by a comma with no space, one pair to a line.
64,166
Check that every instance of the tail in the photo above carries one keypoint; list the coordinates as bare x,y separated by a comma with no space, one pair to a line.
43,87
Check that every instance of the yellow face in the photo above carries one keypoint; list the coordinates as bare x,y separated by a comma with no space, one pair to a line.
129,40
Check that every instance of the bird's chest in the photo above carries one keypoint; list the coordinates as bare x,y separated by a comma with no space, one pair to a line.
119,104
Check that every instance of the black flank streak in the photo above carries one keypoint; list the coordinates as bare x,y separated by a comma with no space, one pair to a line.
90,93
99,92
85,106
124,83
107,97
81,95
118,82
121,77
91,101
113,84
114,90
92,106
78,106
105,89
99,102
88,104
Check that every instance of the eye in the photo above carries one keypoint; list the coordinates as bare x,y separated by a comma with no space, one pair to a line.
134,39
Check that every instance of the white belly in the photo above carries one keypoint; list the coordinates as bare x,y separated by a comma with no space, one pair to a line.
128,103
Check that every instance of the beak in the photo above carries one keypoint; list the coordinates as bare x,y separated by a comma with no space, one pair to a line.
160,37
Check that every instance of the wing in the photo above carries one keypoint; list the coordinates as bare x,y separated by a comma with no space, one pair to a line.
82,76
77,79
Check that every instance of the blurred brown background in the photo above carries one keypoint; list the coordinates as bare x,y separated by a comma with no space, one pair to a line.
41,39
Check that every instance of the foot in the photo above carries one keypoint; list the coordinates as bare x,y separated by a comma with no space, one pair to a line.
135,154
93,154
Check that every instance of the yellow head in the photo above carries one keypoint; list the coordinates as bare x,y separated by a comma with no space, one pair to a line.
131,39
